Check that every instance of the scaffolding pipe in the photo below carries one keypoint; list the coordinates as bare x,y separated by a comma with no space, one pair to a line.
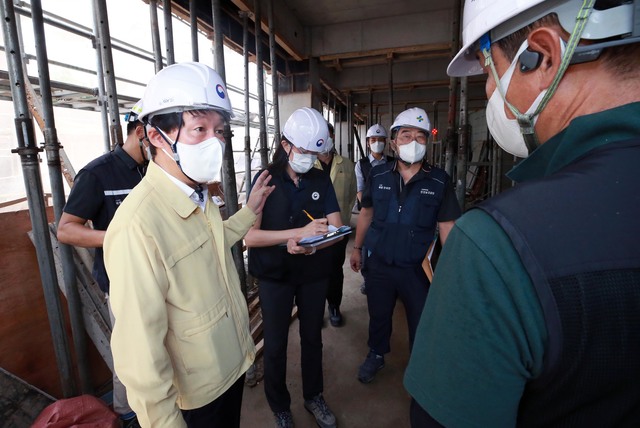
463,143
453,92
391,86
168,31
155,34
339,127
52,148
79,30
432,156
274,71
371,118
264,150
228,170
247,112
28,152
350,150
102,96
193,19
100,8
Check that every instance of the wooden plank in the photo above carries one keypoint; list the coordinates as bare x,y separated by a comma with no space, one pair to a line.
95,312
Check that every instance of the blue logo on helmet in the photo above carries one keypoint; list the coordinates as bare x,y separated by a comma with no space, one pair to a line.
220,91
320,142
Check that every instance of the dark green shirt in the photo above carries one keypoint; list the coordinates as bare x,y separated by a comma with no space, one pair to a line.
482,335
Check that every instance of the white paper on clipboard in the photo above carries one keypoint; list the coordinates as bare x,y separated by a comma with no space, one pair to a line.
333,234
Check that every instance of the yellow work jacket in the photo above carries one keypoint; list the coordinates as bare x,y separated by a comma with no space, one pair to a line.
181,336
343,177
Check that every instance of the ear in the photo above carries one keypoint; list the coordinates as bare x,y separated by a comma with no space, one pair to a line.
155,138
139,132
546,42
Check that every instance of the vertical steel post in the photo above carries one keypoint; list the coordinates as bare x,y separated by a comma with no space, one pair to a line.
193,19
52,148
463,143
350,150
371,118
247,112
100,8
264,147
453,92
338,126
435,125
168,31
390,58
28,152
102,96
228,170
155,34
274,71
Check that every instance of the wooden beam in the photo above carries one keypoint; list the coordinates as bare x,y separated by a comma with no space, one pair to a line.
288,46
431,47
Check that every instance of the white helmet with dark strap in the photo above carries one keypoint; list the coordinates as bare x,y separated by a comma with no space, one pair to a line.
306,128
412,118
500,18
185,86
377,130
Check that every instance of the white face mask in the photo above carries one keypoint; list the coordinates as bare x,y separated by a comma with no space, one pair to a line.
377,146
506,131
412,152
200,162
302,162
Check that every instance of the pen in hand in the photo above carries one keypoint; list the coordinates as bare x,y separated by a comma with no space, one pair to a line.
308,215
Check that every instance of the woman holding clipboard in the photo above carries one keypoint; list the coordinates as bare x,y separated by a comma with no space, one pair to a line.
303,204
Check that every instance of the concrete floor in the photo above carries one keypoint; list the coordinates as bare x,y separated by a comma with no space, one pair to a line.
380,404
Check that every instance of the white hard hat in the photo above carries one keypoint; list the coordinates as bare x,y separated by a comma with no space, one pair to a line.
501,18
412,118
185,86
306,128
377,131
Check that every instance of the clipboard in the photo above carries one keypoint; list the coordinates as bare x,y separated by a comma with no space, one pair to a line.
333,234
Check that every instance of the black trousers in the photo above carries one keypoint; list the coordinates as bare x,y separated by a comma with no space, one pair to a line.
276,300
385,283
223,412
336,280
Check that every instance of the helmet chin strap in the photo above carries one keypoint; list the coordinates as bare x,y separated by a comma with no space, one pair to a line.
174,149
526,121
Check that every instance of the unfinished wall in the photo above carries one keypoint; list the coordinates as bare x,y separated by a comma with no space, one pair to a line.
26,347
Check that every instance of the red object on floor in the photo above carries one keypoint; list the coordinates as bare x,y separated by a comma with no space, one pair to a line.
85,411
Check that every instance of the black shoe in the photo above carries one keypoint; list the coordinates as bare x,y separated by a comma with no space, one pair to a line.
335,317
319,409
283,419
370,367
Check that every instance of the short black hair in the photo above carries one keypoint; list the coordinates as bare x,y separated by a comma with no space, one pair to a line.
131,126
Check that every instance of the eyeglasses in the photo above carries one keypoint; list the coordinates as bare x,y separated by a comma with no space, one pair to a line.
302,151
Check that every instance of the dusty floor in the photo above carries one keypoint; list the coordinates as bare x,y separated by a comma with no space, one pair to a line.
380,404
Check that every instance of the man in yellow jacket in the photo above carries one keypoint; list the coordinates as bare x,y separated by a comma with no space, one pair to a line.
343,176
181,341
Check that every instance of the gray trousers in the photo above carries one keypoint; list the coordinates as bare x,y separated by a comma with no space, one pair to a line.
120,403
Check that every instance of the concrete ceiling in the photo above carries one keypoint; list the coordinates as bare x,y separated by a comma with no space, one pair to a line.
366,47
318,13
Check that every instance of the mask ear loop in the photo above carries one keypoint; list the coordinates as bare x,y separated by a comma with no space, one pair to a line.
526,120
